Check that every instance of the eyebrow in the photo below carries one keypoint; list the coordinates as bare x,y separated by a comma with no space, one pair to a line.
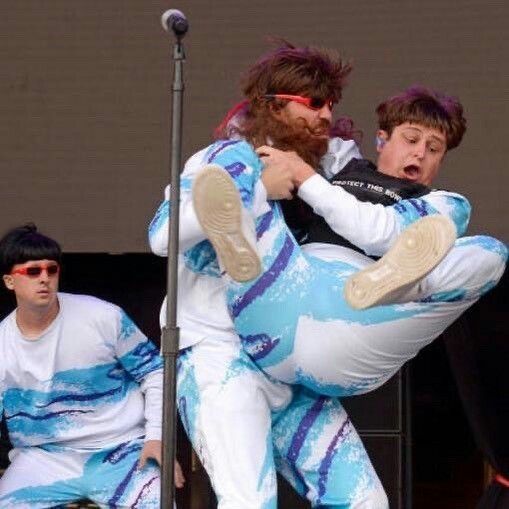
433,136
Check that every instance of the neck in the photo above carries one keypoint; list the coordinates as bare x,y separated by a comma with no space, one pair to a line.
32,322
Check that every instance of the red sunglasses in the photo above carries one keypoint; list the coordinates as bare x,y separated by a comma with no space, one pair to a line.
314,103
35,270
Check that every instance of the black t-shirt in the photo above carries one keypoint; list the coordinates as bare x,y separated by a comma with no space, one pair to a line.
361,178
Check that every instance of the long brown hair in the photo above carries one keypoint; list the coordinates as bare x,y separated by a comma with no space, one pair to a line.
305,71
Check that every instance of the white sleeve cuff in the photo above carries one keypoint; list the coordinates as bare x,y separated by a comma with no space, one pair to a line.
313,190
153,433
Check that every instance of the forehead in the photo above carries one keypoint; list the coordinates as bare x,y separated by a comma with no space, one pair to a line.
422,130
30,263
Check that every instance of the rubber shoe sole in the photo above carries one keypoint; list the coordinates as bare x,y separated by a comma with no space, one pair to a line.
416,252
218,207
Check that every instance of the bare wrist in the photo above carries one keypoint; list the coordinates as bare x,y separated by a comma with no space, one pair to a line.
302,173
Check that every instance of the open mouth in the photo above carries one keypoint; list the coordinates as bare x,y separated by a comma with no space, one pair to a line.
412,172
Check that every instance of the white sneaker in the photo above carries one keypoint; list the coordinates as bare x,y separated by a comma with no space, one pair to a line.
220,213
416,252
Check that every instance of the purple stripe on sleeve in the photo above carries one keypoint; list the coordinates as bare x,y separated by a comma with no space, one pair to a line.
420,206
264,224
221,147
235,169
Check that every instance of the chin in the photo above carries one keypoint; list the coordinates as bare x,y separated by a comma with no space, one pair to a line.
44,300
413,177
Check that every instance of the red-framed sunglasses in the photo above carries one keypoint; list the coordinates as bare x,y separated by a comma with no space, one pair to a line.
314,103
35,270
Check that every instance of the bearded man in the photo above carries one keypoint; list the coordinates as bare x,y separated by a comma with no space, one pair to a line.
243,424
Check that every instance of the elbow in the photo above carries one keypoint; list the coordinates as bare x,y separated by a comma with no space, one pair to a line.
157,243
157,230
159,250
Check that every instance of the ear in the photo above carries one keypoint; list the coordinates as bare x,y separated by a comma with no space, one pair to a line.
8,281
381,138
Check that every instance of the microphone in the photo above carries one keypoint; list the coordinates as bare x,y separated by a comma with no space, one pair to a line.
175,20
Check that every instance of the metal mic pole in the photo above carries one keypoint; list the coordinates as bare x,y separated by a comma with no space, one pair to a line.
170,333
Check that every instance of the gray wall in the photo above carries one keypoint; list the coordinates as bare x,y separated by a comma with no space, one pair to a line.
85,97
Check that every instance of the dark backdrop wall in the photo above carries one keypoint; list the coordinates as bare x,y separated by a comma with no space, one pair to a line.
85,97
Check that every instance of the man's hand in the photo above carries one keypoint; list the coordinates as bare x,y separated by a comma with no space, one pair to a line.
179,476
278,183
153,450
285,171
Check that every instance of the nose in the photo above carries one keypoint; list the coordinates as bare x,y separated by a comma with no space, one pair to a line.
44,276
325,113
420,149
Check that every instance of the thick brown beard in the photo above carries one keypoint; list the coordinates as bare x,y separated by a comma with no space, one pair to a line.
262,127
300,138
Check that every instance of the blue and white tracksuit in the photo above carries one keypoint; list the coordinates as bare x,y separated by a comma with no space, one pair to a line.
242,423
318,341
79,402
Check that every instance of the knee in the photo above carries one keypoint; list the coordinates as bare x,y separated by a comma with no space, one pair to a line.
483,258
494,259
485,247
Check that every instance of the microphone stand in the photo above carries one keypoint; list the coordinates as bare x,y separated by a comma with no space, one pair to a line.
170,332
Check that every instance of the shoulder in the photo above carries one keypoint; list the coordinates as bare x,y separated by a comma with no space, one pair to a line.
446,192
8,330
454,205
7,319
356,168
87,305
337,145
450,196
339,153
231,149
196,161
223,152
7,324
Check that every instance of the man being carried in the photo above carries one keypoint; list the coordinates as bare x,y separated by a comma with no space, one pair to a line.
293,318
